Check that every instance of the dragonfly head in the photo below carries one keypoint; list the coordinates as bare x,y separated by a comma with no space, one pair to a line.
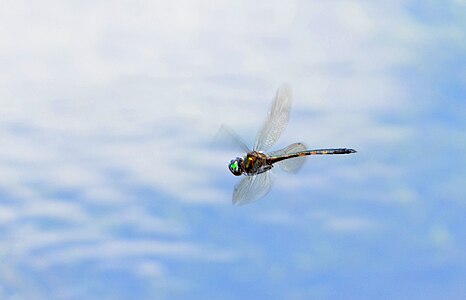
235,166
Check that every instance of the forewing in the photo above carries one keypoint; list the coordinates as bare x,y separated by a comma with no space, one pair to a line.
252,188
226,135
291,165
276,120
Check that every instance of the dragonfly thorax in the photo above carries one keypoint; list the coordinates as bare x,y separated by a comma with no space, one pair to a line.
255,162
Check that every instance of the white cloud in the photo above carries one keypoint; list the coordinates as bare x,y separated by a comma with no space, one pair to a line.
348,224
277,218
117,249
7,214
343,224
332,222
441,237
108,105
150,269
142,221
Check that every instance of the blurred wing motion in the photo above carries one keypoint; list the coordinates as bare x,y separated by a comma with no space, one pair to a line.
252,188
226,134
291,165
276,121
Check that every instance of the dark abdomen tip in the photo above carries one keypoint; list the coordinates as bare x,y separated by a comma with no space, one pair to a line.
346,151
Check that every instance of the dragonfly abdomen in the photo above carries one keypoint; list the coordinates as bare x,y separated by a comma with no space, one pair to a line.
274,159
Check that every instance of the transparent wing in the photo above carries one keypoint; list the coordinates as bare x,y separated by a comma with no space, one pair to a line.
226,134
252,188
276,120
291,165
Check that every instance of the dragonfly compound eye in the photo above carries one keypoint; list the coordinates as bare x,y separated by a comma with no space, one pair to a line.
234,166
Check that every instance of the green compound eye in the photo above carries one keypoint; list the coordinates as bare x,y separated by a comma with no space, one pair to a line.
234,166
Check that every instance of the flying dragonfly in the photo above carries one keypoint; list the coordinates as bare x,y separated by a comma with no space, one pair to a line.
256,164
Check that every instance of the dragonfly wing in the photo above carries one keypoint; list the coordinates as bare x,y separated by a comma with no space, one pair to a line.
226,134
252,188
291,165
276,120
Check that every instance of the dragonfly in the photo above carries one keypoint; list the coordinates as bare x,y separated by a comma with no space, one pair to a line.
256,165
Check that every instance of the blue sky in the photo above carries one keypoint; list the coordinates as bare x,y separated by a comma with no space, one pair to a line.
111,188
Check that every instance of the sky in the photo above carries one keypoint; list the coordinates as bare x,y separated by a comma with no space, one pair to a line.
111,186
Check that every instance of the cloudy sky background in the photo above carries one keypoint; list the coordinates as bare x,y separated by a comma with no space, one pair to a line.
111,187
